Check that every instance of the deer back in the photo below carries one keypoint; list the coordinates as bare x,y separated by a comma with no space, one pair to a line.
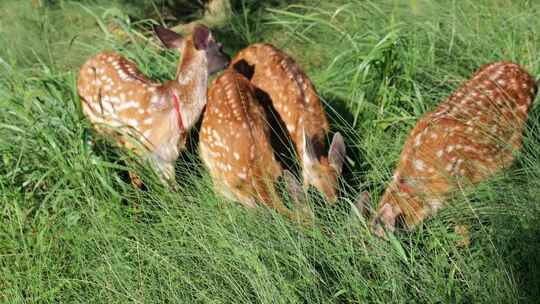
118,98
466,139
235,141
292,94
281,80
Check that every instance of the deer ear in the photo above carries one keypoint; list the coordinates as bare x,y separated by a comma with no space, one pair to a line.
309,156
170,39
201,35
336,153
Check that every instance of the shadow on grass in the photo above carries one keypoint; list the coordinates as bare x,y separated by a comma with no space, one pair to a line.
520,248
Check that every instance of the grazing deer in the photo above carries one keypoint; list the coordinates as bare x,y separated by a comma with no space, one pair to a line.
146,116
466,139
235,146
295,99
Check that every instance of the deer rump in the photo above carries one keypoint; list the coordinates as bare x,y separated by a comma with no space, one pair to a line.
235,146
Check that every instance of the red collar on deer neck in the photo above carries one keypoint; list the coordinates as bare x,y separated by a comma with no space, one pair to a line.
404,186
176,103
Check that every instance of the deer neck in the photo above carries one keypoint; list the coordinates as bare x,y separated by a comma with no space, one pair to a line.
190,87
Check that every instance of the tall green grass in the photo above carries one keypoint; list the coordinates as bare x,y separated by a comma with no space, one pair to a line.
74,230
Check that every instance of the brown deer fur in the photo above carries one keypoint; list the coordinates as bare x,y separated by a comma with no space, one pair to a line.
295,99
235,144
465,140
141,114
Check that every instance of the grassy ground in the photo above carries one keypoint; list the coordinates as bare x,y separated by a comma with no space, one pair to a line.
69,231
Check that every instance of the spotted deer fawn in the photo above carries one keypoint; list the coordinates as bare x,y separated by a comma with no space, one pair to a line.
235,147
295,99
146,116
465,140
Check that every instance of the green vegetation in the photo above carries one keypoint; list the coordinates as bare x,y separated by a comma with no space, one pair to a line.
74,230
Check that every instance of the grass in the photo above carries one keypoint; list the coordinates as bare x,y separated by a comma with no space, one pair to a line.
69,231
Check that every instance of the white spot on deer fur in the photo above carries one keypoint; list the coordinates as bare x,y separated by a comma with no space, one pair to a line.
242,175
252,152
133,122
147,133
148,121
126,105
141,111
434,135
440,153
418,140
435,204
154,99
236,156
419,165
450,148
448,167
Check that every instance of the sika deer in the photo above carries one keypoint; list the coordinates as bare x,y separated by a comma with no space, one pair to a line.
466,139
235,146
151,118
295,99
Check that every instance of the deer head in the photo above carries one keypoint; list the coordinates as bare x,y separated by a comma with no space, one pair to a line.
200,43
323,172
201,56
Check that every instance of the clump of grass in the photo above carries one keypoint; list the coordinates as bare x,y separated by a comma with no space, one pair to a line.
74,230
